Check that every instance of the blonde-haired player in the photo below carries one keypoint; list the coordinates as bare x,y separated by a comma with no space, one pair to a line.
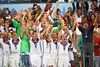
35,50
46,52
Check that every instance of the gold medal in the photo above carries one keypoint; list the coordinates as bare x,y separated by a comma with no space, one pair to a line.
46,46
86,36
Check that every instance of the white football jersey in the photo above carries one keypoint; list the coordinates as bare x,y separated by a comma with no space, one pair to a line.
46,47
35,48
54,48
63,49
15,49
5,46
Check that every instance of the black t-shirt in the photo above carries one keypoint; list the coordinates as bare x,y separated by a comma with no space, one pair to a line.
87,35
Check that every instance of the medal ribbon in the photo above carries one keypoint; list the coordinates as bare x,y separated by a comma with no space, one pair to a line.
64,46
46,43
35,42
15,42
86,32
55,42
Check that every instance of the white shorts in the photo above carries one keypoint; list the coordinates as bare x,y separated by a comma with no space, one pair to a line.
14,60
35,60
1,60
47,60
63,61
54,59
6,60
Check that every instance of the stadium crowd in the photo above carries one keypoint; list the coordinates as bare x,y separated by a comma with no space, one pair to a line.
49,38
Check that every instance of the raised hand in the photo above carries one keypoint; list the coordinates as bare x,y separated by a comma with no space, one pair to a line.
7,24
24,12
61,21
30,10
21,11
57,3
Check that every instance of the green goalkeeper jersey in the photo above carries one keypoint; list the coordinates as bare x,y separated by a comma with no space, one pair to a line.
25,45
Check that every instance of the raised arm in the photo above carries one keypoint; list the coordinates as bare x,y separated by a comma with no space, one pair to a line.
92,27
73,7
58,28
25,31
42,34
29,14
77,5
74,26
17,24
86,5
38,18
95,21
79,27
7,26
55,9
